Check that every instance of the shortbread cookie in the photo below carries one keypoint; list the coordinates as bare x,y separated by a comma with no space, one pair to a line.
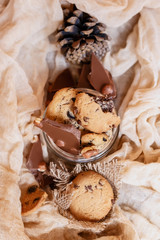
61,106
94,113
96,138
32,199
92,196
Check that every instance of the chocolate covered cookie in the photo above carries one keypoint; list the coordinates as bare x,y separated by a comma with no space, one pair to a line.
92,196
32,199
95,114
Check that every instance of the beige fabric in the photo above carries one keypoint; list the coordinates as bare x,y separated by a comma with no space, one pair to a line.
134,59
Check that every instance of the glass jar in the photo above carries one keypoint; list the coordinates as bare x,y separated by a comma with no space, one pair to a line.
57,155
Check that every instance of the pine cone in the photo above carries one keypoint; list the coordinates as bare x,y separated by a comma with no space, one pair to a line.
81,35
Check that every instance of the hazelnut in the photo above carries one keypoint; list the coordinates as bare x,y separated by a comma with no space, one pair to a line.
107,89
60,143
90,153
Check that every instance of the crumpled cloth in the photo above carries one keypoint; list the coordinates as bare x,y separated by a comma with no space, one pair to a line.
28,58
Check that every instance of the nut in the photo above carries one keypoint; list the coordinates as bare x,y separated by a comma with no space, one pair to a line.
37,122
90,153
60,143
107,89
35,139
42,167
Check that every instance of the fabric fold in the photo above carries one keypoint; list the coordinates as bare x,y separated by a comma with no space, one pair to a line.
29,57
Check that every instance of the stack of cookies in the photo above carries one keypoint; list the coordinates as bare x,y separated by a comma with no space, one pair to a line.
92,114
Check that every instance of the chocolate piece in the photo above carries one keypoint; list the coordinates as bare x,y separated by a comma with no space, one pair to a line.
86,119
70,115
66,133
43,179
83,79
35,156
101,182
76,186
101,79
32,189
64,79
36,199
88,188
36,162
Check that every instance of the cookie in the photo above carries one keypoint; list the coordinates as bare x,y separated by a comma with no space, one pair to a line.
32,199
61,106
95,113
92,196
93,143
95,138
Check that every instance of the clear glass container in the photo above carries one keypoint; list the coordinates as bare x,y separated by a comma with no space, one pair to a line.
56,154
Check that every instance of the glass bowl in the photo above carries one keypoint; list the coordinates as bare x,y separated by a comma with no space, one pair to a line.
57,154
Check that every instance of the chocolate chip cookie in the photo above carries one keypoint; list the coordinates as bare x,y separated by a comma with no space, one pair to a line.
61,106
95,113
32,199
92,196
92,143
